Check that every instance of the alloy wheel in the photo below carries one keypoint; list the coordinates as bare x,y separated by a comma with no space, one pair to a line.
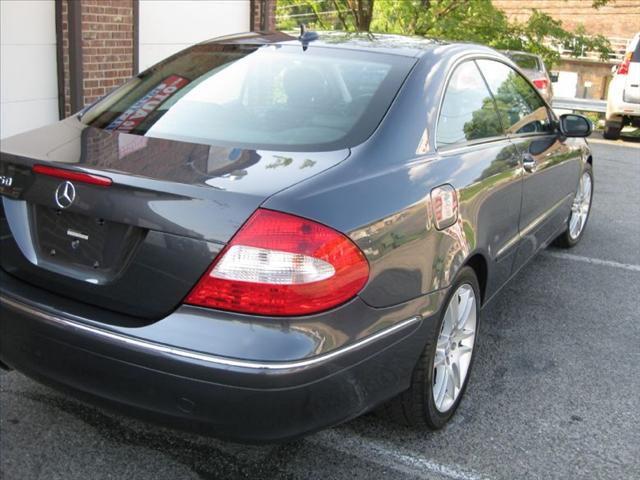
454,347
580,207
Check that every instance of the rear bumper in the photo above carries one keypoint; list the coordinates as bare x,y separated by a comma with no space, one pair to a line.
237,399
617,107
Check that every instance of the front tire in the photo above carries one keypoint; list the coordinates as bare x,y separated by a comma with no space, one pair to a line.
580,211
441,375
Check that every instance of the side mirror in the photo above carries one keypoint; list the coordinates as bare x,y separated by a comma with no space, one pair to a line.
573,125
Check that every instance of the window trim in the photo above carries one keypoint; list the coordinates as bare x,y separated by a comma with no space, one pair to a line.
551,116
447,81
487,56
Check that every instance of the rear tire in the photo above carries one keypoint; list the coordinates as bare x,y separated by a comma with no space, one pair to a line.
612,130
422,404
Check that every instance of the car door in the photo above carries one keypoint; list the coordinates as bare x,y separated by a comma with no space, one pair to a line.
486,169
550,162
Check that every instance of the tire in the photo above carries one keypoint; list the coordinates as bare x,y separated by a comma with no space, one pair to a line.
569,239
417,406
612,130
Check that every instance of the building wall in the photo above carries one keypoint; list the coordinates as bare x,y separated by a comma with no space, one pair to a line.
107,46
619,18
119,38
59,55
598,74
29,83
105,57
168,26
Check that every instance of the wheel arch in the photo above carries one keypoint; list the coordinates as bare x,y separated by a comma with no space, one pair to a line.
478,263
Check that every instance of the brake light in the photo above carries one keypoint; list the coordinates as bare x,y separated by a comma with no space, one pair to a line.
541,83
280,264
72,175
623,69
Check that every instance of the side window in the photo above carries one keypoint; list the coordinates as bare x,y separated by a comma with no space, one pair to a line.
468,112
521,108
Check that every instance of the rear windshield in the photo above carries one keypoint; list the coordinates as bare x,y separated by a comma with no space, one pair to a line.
527,62
271,97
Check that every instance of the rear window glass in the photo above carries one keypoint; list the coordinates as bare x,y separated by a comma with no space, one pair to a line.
527,62
272,97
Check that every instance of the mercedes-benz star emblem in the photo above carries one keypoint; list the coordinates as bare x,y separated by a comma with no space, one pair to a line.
65,194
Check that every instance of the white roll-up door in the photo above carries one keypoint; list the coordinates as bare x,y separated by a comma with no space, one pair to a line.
28,69
167,26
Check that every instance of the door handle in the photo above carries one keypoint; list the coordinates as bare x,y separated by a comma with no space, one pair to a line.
529,163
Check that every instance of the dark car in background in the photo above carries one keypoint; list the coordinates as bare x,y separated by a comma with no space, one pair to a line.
533,67
260,237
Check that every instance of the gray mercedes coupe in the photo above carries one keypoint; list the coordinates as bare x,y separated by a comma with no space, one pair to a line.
263,235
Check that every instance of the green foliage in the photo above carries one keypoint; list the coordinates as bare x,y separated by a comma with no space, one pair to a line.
475,21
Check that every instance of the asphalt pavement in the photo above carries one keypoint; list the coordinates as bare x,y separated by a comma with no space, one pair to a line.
555,390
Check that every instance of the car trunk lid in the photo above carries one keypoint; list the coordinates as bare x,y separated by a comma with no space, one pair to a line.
139,245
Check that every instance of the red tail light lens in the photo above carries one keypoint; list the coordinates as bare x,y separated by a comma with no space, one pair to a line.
623,69
72,175
281,265
541,83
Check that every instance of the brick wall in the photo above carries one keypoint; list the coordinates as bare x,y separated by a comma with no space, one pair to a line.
107,32
65,57
266,8
619,18
107,46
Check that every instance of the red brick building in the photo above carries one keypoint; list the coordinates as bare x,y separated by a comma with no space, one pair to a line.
618,20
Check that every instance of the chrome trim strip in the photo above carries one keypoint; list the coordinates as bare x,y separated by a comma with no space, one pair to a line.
534,223
544,215
218,360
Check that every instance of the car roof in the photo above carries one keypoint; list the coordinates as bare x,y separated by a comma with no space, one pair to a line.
372,42
519,52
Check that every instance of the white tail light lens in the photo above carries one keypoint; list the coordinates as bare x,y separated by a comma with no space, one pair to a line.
260,265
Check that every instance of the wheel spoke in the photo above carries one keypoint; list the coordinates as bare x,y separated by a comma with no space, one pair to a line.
451,386
455,374
443,388
448,323
455,309
466,314
439,359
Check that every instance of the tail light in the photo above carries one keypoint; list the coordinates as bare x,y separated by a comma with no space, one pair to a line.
541,83
280,264
623,69
72,175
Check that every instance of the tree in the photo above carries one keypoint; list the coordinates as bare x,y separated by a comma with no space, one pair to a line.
460,20
346,15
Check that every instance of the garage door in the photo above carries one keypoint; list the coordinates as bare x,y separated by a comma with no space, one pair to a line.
28,81
167,26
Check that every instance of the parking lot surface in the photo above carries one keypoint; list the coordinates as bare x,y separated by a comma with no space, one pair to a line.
554,392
